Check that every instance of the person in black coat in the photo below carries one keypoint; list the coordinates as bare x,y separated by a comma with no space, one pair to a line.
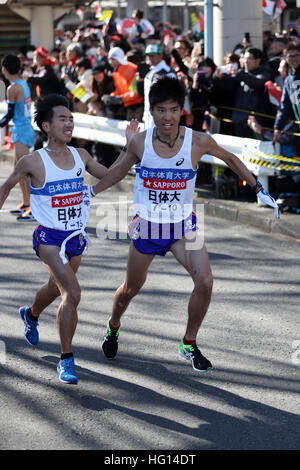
250,95
200,91
43,81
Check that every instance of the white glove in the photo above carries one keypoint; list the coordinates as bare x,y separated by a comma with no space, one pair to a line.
269,200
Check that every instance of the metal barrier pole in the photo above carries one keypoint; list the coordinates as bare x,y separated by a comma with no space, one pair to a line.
208,29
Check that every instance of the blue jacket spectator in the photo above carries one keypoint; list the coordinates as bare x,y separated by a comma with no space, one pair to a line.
290,100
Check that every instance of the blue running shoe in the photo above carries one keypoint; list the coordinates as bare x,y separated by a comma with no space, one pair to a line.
66,370
31,333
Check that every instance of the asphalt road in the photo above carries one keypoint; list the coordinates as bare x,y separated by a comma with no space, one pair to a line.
149,398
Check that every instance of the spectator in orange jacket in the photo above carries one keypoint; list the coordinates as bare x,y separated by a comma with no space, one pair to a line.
125,94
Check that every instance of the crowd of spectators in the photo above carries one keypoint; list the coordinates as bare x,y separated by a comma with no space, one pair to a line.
104,70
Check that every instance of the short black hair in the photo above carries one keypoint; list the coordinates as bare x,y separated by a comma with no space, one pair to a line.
207,62
12,63
138,13
44,108
167,88
293,32
292,46
185,42
268,34
257,53
84,62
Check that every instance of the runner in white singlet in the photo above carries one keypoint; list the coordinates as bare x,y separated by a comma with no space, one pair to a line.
168,158
60,203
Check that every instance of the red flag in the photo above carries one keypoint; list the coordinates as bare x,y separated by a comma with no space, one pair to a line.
201,21
274,92
80,13
128,26
97,10
268,6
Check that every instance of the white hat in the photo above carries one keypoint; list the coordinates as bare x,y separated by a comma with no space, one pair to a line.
92,51
118,54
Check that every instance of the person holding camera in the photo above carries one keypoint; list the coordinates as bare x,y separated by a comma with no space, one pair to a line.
248,86
200,92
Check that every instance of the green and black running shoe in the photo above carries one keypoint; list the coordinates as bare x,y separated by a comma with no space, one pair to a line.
110,342
193,354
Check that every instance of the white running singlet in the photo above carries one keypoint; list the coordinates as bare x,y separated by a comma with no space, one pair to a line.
59,203
164,187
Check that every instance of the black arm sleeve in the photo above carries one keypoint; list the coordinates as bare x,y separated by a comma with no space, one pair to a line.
8,116
179,61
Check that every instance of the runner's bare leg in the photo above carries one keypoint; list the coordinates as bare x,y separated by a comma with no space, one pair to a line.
137,268
70,292
196,262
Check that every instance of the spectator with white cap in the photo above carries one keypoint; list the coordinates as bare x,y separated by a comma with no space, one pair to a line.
125,94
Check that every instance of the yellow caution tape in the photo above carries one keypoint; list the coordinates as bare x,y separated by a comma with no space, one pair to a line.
283,132
262,161
254,113
230,108
278,166
279,157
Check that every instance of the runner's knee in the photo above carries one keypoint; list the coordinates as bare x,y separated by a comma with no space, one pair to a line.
72,297
204,284
131,290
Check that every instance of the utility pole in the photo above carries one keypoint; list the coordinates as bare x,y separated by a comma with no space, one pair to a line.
208,29
186,16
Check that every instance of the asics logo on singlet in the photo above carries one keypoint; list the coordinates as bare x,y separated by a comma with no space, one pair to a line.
79,172
180,162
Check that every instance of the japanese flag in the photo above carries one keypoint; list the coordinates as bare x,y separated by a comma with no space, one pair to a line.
268,6
80,13
280,6
97,10
274,92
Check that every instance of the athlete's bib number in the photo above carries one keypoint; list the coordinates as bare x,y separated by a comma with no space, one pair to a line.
70,217
27,107
165,207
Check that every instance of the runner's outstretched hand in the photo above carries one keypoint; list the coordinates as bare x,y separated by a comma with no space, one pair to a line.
269,200
132,128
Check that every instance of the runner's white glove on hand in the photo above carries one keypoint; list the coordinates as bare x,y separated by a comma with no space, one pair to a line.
269,200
